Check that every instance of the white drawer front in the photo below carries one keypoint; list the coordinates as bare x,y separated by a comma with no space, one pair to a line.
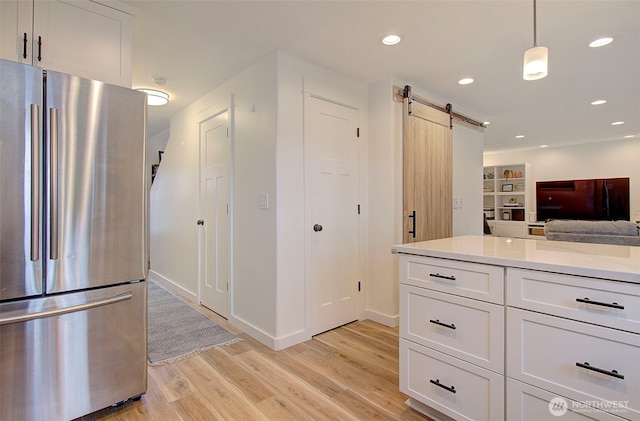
607,303
545,350
468,329
465,391
528,403
473,280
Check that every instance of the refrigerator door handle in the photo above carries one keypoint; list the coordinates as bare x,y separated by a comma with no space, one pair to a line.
35,182
53,184
65,310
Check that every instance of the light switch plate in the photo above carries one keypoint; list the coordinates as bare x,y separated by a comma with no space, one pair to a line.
263,201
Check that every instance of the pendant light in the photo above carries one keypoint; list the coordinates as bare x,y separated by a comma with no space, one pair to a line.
536,58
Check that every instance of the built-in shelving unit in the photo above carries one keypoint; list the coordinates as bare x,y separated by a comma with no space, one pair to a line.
507,199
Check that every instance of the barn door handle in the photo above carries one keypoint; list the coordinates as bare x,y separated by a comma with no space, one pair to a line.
24,46
413,222
317,227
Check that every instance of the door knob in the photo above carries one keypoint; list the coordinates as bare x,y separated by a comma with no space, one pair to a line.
200,222
317,227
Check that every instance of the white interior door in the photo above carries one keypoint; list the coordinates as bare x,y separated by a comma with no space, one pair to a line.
332,212
215,240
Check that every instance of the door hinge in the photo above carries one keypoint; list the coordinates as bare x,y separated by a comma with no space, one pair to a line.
358,209
358,132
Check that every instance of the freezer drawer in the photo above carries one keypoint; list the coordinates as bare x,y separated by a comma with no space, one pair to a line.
69,355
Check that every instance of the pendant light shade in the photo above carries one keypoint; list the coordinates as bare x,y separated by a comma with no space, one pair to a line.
536,61
536,58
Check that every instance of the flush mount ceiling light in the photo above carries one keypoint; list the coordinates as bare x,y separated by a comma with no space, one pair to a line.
599,102
465,81
520,136
617,123
391,39
601,42
536,58
155,97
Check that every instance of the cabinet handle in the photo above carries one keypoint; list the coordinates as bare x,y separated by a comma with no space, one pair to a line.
439,323
413,222
24,46
39,48
437,275
451,389
598,303
612,373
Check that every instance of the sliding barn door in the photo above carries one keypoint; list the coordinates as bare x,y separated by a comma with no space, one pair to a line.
428,174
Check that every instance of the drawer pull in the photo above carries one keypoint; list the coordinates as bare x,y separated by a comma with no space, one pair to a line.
439,323
437,275
451,389
598,303
612,373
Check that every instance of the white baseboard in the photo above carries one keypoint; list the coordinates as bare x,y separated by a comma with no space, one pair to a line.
391,321
266,339
174,287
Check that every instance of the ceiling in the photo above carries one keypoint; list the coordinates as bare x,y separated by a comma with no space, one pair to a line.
198,45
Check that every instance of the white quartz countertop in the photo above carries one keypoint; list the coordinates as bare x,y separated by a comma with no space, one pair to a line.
583,259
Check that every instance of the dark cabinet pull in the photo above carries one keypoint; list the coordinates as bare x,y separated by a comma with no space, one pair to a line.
598,303
39,48
451,389
612,373
24,46
439,323
437,275
413,222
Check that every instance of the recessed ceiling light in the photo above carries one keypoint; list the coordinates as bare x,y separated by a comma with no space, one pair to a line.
544,146
617,123
599,102
629,136
486,123
600,42
520,136
391,39
465,81
155,97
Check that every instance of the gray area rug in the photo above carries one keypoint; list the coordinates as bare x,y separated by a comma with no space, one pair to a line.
177,331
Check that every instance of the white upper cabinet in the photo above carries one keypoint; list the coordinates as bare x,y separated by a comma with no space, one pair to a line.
79,37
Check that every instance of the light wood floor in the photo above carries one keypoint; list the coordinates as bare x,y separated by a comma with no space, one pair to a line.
349,373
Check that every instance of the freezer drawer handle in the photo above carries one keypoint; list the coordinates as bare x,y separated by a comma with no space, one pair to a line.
439,323
53,184
451,389
65,310
598,303
35,183
612,373
437,275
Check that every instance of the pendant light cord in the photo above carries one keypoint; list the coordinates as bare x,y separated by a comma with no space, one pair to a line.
535,25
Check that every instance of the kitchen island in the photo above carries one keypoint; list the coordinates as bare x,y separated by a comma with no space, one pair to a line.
494,328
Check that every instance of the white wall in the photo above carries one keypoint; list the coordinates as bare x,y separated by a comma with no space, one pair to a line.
292,317
385,186
174,196
268,285
591,160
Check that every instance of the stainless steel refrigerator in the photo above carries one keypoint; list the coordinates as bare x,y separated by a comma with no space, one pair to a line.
73,244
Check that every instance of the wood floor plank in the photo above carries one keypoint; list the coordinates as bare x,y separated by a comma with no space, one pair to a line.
349,373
